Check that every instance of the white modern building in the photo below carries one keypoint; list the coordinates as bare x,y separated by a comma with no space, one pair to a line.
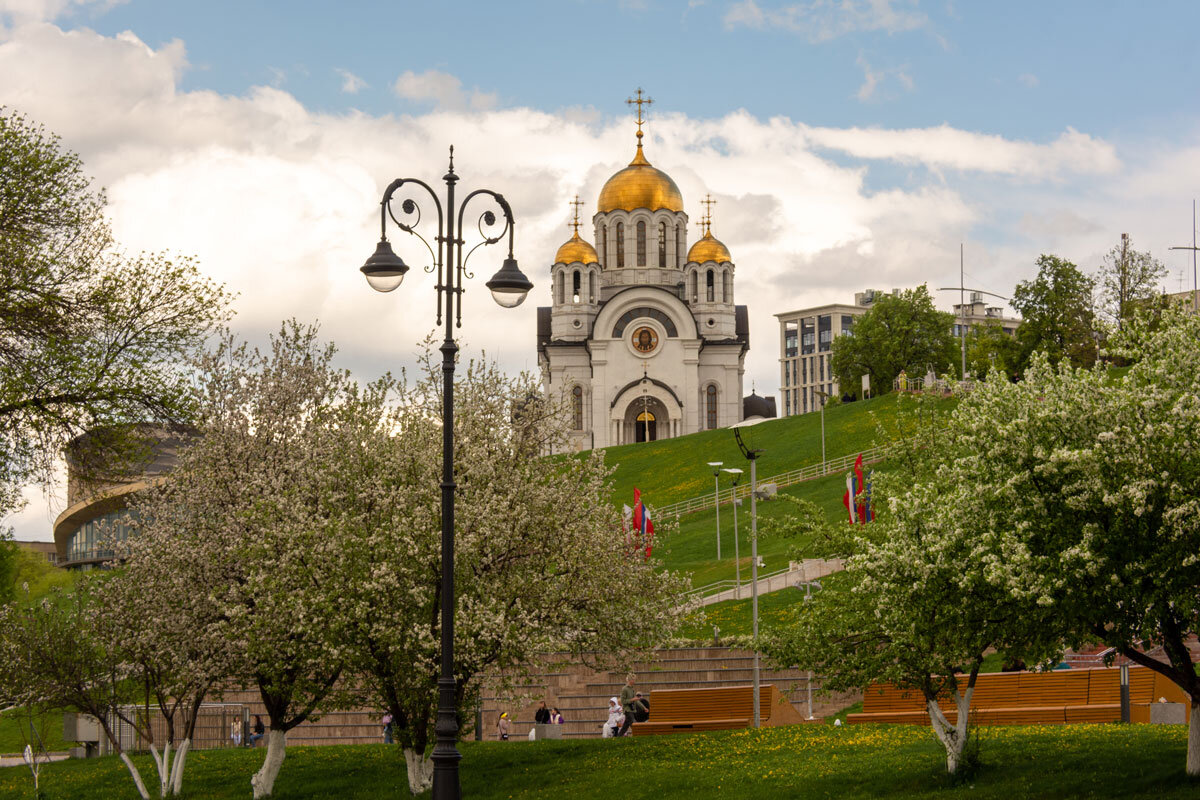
643,339
805,343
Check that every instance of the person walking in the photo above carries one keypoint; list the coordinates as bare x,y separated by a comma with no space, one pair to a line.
628,694
502,727
542,715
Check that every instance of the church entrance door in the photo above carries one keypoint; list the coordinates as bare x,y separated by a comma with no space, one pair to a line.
645,429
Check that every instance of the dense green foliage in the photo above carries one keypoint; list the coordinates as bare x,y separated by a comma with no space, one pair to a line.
1057,313
901,332
868,761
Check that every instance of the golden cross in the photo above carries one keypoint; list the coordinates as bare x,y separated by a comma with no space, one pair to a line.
700,223
639,102
576,203
708,203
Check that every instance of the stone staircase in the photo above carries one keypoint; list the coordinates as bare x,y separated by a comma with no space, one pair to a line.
581,693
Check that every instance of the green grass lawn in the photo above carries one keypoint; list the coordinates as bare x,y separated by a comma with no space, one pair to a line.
15,733
810,761
675,469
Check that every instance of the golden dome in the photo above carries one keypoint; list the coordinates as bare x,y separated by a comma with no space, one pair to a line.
708,249
576,249
640,186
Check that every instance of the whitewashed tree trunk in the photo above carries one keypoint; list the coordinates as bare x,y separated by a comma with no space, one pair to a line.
177,767
420,771
137,778
1193,756
263,781
953,737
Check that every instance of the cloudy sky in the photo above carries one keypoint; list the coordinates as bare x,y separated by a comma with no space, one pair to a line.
850,144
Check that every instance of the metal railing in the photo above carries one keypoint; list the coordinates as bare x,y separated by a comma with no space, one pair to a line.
721,586
811,472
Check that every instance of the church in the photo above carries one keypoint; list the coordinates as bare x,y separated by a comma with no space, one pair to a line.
643,340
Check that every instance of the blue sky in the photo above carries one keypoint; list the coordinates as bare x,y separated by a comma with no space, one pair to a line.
850,144
1024,69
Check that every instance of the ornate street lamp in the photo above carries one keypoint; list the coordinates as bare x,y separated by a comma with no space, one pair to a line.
385,271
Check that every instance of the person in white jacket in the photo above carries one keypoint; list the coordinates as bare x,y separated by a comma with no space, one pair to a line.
616,718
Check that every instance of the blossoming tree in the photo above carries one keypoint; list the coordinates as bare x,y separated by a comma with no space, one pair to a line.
541,563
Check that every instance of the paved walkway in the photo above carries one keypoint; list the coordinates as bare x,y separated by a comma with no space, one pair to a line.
810,569
18,761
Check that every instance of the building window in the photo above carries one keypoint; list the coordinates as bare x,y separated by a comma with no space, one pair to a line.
620,245
641,243
710,403
558,288
575,287
591,287
847,324
726,287
678,244
695,296
604,243
577,408
709,286
662,245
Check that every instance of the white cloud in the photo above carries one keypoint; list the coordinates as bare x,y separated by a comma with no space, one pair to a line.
950,148
351,83
443,90
1029,80
23,11
823,20
281,202
873,78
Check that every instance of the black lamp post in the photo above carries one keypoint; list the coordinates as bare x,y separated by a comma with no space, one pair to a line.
385,271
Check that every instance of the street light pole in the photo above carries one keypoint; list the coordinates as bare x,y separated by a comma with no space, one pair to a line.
716,465
385,272
824,396
737,559
752,456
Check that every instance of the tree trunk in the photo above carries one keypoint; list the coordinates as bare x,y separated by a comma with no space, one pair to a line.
263,781
177,767
137,778
953,737
1193,756
420,771
163,764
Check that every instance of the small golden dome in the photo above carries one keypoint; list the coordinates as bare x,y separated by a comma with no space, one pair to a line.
640,186
576,249
708,249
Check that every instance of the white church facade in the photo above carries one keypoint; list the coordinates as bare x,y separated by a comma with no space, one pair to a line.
643,339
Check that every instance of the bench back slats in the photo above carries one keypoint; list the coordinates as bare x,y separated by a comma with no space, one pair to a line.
723,702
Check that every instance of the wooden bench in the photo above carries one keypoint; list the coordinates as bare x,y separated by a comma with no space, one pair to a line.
718,708
1029,698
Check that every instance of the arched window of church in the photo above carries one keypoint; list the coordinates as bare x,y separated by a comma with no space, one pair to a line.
591,287
692,289
710,406
604,245
620,245
662,245
575,287
710,287
558,287
577,408
679,255
726,287
641,243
